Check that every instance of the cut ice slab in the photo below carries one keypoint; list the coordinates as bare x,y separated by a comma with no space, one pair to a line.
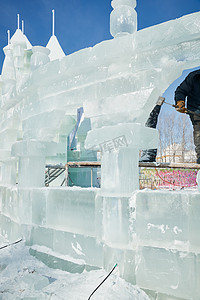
134,102
171,32
4,154
34,148
170,272
131,135
7,138
128,107
170,221
198,180
43,125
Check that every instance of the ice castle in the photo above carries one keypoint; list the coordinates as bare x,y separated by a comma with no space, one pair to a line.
153,236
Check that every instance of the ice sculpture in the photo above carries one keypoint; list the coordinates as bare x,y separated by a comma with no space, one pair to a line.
152,235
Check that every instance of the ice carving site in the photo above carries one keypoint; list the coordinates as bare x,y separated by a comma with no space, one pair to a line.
96,101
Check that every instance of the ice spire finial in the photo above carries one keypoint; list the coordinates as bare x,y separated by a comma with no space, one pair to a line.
53,22
17,21
123,18
8,32
23,26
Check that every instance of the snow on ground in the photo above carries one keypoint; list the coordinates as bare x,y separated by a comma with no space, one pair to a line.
24,277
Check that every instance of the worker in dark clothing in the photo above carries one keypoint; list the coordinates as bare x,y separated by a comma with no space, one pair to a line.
149,155
190,89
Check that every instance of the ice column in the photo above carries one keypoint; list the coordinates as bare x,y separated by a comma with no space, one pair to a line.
9,129
32,156
8,75
120,145
123,19
198,180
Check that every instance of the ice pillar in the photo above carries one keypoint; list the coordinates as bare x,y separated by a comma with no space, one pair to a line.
198,180
119,171
8,171
32,155
120,146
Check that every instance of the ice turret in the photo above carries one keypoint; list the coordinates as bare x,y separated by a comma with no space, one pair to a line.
8,70
123,18
18,45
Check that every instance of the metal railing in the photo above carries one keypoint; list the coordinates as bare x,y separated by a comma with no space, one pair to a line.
81,164
54,171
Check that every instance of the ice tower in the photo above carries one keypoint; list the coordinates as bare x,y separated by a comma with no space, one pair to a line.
152,235
56,52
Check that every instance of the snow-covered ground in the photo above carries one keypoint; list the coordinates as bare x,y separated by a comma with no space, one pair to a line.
24,277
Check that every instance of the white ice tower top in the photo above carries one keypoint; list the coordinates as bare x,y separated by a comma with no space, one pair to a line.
15,48
19,37
53,44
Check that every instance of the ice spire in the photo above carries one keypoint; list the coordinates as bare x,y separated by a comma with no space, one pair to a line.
8,70
19,36
23,26
53,22
17,21
8,32
28,44
53,45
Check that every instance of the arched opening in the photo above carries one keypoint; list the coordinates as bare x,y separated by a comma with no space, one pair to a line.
175,129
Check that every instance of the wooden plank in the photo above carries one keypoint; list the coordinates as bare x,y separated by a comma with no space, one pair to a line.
83,164
170,165
142,165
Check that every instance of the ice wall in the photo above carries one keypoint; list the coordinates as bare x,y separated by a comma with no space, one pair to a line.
169,244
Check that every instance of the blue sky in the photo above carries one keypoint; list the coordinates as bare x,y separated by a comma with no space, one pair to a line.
80,23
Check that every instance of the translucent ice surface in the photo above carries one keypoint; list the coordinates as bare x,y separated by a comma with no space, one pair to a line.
123,19
116,3
198,180
152,235
166,221
169,271
115,212
56,51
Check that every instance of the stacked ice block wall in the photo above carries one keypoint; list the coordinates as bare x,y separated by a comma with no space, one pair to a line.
158,57
167,228
152,236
